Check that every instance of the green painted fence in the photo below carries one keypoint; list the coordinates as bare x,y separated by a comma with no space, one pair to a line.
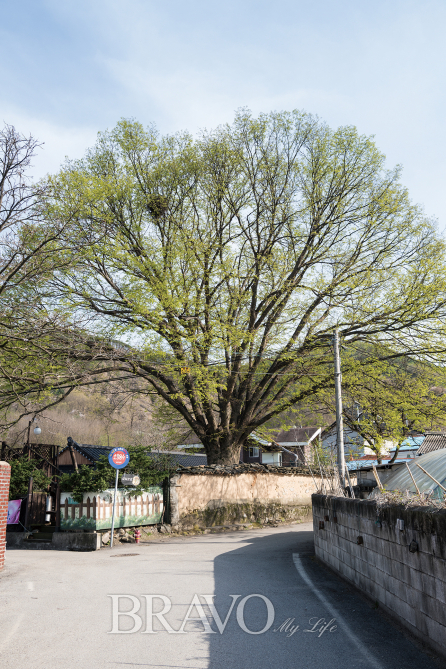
95,510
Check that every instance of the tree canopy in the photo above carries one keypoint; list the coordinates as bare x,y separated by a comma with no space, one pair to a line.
387,398
213,268
31,248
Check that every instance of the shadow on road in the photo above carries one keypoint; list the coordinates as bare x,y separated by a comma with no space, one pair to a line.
309,600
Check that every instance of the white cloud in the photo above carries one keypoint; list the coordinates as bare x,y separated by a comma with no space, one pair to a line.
58,141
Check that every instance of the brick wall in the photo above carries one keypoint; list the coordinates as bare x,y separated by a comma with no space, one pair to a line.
372,550
5,475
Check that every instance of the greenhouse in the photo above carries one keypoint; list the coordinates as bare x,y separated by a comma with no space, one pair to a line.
434,463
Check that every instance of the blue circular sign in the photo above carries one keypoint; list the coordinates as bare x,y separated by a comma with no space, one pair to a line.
119,458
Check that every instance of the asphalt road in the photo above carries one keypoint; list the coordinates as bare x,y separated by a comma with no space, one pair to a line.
56,609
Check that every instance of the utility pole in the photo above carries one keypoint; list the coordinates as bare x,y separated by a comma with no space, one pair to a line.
27,447
339,422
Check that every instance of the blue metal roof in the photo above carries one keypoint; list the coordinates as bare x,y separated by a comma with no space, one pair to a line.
354,465
411,443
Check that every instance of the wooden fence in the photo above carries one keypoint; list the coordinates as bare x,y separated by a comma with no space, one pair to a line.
96,512
97,508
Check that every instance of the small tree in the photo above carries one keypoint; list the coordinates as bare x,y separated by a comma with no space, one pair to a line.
386,399
151,469
21,471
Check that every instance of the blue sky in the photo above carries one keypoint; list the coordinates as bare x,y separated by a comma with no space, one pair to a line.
69,69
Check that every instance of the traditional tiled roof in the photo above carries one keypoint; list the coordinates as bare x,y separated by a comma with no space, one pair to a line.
89,451
434,442
93,453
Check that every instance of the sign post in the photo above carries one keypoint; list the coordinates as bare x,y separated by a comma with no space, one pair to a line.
118,458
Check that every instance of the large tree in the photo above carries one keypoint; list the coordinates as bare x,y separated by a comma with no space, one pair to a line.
223,262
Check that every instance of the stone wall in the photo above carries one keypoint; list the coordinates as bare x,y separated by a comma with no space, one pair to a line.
62,541
211,496
5,475
395,556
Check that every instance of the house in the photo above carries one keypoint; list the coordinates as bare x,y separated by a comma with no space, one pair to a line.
261,451
283,448
363,466
256,450
191,441
88,454
353,442
84,454
363,469
279,451
356,446
298,440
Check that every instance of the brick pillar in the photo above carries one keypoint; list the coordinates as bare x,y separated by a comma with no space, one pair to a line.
5,475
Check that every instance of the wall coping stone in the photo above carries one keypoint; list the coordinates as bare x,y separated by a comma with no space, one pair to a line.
243,468
429,520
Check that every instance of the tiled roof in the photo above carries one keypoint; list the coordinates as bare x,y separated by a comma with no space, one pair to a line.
183,459
189,459
93,453
434,442
89,451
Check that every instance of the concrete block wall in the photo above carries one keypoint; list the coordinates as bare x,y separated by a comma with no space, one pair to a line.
370,549
5,475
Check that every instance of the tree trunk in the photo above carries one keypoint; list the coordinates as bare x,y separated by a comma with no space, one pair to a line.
221,451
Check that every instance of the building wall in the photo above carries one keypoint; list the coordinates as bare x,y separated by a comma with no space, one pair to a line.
5,475
245,457
366,546
353,442
65,458
211,499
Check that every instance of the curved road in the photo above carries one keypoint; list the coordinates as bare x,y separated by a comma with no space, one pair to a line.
56,608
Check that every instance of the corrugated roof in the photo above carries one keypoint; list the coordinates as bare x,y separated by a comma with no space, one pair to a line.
411,443
354,465
434,441
434,463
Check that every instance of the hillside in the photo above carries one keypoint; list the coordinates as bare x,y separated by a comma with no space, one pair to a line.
108,417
